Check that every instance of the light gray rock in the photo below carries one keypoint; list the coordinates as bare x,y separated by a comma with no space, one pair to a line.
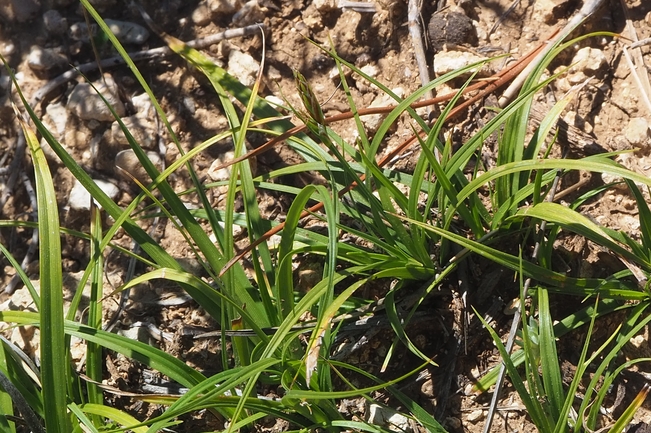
142,128
126,32
587,62
202,15
250,13
388,418
373,121
448,61
476,416
243,67
637,131
55,24
86,104
58,116
224,6
46,60
127,165
79,198
325,5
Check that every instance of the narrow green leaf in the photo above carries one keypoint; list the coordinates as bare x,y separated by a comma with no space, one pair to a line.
53,341
551,372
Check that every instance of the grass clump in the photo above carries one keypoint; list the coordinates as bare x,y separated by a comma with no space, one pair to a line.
414,239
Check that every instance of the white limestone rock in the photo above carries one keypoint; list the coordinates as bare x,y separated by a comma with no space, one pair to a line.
388,418
79,198
448,61
637,131
85,103
587,62
243,67
224,6
142,128
126,32
373,121
46,60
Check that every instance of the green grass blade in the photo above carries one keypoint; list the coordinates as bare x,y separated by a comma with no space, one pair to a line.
54,377
577,223
563,284
551,372
114,414
172,367
201,291
94,358
533,406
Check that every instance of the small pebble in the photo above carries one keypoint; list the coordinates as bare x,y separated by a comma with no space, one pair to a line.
58,114
637,131
224,6
46,60
79,198
385,417
142,128
373,121
202,15
325,5
476,415
55,24
127,163
126,32
587,62
250,13
86,104
243,67
448,61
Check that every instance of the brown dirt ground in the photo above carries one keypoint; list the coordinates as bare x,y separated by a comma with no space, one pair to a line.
602,112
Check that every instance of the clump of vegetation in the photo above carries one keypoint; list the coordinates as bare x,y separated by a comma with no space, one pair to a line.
408,224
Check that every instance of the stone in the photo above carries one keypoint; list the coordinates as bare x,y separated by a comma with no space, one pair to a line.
325,5
388,418
373,121
19,10
86,104
79,198
587,62
476,415
243,67
55,24
448,61
250,13
224,6
126,32
46,60
142,128
59,116
202,15
637,131
128,166
219,174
